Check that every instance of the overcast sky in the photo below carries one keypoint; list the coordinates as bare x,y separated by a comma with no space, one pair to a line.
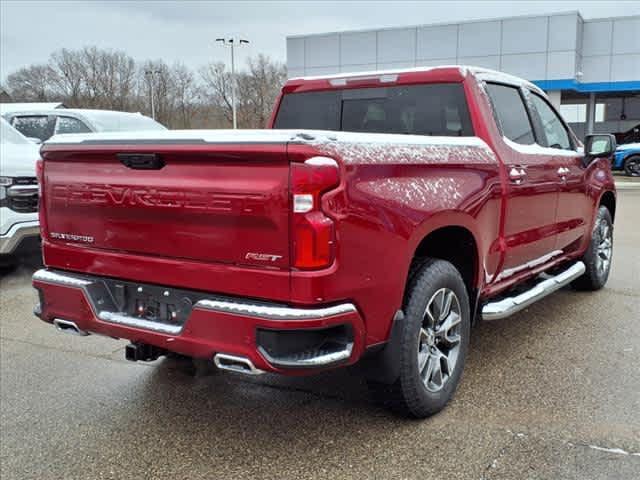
185,30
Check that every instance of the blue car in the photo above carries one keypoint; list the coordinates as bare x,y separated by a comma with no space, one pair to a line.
627,158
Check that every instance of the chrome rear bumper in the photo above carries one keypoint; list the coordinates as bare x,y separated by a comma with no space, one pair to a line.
220,322
10,241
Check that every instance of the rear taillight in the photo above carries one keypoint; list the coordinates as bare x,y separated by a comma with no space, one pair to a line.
313,232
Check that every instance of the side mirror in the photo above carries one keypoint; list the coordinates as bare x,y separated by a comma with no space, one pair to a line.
598,146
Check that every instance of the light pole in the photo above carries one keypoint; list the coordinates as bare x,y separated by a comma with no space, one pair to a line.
231,43
150,74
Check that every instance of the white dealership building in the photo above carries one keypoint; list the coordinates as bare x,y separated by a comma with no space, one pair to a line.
591,68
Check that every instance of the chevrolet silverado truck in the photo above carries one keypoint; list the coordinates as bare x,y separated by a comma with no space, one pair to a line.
373,222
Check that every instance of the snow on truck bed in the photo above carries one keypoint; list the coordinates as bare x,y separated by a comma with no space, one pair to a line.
351,147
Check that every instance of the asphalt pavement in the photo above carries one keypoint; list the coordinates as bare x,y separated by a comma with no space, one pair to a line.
551,393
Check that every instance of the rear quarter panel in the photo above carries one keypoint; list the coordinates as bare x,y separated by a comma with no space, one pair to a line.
390,198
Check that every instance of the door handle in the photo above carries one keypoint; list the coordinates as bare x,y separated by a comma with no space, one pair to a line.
562,172
516,175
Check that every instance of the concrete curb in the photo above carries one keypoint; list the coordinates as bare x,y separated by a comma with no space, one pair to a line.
628,185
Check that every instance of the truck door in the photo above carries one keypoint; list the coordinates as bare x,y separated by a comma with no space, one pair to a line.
574,204
532,185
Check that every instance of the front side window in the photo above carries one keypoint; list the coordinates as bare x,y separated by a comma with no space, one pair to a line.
33,126
71,125
430,109
511,113
555,133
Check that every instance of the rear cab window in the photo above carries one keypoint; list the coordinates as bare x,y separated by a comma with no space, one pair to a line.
438,109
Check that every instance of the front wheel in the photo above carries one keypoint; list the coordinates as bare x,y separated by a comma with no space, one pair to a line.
597,258
435,340
632,166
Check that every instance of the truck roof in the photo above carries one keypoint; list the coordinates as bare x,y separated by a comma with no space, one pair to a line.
451,73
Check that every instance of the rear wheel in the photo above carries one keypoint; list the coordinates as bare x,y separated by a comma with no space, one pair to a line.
597,258
632,166
435,340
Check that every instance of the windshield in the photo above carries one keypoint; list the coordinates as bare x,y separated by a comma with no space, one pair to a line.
8,134
124,122
433,109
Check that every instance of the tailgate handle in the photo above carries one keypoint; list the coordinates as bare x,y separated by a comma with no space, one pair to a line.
141,161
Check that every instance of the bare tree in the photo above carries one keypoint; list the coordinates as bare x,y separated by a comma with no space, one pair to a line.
107,79
68,79
185,94
216,88
259,88
32,83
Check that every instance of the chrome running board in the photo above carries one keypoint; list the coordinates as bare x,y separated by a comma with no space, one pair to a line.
510,305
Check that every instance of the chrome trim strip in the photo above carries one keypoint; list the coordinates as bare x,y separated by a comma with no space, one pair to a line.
274,313
22,191
319,361
510,305
44,275
233,366
142,323
526,266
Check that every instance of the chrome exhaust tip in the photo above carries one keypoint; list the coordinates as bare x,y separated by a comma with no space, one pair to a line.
236,364
67,326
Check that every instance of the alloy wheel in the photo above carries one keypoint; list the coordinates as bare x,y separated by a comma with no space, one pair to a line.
439,341
605,248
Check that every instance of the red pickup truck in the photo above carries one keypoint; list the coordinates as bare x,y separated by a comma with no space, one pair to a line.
376,219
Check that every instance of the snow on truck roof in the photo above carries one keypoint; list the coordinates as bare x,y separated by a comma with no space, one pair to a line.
391,75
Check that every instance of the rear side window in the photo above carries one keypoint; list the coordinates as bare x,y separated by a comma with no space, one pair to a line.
511,113
34,126
433,109
71,125
555,133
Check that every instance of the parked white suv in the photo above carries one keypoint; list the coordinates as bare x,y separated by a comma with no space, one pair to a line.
19,227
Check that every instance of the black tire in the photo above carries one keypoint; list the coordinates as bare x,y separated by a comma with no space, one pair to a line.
632,166
410,394
597,272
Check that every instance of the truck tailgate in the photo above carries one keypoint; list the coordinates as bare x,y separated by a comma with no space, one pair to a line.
214,203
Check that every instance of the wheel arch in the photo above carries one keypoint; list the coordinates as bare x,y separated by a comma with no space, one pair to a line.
608,200
455,243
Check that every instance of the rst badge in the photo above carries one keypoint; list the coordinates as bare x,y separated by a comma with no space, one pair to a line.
262,257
